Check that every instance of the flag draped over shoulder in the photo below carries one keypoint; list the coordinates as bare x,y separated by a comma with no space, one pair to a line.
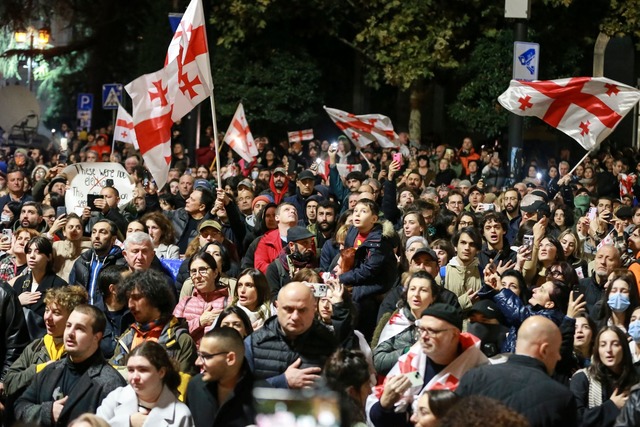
123,130
239,136
586,108
365,129
163,97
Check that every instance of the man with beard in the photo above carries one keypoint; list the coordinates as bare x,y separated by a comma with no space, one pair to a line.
299,253
512,199
325,222
103,253
607,259
31,217
495,248
279,184
304,190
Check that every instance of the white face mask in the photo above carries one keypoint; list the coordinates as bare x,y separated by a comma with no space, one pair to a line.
254,175
5,218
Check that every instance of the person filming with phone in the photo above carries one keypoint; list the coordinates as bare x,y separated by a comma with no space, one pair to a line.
440,357
104,207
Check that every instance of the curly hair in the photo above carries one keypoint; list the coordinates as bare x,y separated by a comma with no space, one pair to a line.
168,234
67,297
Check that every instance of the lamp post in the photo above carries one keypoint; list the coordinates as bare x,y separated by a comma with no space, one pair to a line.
38,39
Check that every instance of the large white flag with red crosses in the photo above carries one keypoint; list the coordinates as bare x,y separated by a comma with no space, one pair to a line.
586,108
239,136
365,129
163,97
300,135
123,131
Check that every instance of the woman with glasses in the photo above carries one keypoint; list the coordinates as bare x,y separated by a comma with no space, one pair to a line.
151,398
564,272
201,309
467,219
601,390
618,301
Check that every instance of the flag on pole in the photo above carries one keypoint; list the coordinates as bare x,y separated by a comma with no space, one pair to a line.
163,97
239,136
123,131
586,108
344,170
365,129
300,135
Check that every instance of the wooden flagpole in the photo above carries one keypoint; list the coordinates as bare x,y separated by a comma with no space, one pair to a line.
215,137
578,164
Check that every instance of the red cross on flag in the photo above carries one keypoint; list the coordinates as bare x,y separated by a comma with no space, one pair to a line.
123,130
300,135
344,170
586,108
363,130
239,136
163,97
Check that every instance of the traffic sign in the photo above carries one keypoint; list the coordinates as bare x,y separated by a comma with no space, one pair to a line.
111,96
525,61
85,101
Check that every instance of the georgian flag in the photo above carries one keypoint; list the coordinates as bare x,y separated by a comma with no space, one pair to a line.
345,169
163,97
123,131
365,129
239,136
586,108
300,135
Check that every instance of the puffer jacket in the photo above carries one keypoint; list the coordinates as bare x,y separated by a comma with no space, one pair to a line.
375,268
270,353
386,353
191,308
459,279
81,271
515,312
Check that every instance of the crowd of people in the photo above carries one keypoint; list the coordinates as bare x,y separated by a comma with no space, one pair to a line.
419,285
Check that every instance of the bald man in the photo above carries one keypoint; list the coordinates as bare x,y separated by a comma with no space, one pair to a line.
291,348
523,383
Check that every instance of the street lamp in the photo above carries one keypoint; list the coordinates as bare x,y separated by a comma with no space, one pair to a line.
37,38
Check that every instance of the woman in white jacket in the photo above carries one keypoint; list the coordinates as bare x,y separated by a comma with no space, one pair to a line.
150,399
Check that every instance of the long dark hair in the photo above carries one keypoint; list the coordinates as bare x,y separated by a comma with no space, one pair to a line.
234,309
45,247
605,311
628,377
158,357
259,282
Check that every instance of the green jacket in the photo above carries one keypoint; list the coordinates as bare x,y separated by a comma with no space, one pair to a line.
23,370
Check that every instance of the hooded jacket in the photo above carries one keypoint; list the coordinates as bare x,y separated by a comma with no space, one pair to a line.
375,268
459,279
278,196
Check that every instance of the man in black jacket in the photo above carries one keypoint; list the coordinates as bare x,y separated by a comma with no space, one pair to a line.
290,349
523,382
103,253
76,384
222,394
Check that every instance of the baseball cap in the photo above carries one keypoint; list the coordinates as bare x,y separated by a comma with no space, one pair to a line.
306,174
531,203
427,251
245,183
280,169
210,223
202,183
487,308
624,212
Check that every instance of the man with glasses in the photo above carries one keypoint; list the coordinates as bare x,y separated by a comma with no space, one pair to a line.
151,303
221,394
440,357
454,202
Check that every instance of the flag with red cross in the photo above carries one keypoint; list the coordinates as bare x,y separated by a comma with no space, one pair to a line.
365,129
161,98
123,131
239,136
586,108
